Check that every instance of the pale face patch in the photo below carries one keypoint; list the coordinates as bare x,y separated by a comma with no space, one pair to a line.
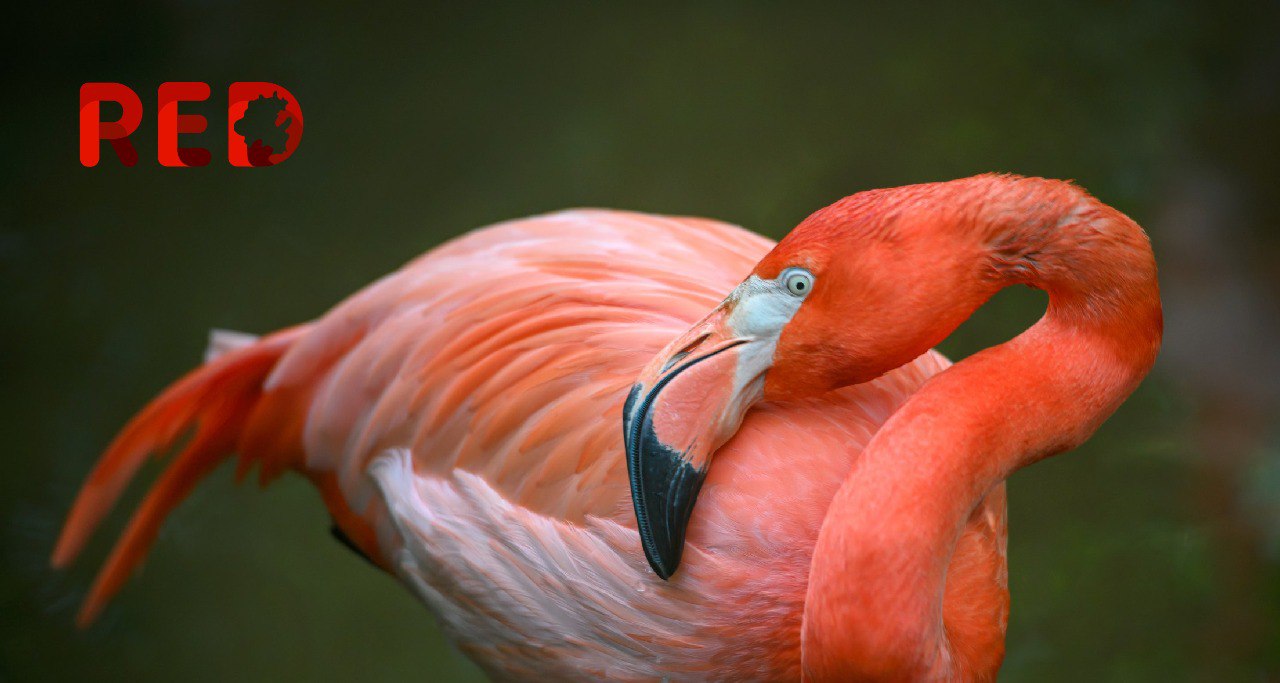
760,309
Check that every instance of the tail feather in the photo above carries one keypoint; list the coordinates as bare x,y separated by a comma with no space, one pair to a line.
216,400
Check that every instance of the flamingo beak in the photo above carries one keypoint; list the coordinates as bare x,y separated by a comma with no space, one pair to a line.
688,402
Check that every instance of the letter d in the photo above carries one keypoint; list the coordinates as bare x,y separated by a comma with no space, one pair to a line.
264,124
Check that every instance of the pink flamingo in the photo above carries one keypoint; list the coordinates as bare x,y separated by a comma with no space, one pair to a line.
460,418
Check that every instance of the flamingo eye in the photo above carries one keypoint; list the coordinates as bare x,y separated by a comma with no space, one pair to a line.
798,281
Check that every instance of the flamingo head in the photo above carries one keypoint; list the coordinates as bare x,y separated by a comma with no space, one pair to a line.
857,289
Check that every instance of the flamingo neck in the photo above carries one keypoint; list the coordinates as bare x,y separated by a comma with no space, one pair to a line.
874,609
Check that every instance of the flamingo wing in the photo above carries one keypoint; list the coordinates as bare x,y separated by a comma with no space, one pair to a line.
506,353
461,419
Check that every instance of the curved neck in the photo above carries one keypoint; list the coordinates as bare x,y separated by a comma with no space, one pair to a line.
874,609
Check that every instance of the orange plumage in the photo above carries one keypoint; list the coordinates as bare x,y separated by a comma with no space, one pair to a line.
462,416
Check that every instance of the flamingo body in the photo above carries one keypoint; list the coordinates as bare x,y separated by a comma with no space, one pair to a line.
460,418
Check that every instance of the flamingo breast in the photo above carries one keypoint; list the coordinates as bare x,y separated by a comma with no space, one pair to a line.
474,419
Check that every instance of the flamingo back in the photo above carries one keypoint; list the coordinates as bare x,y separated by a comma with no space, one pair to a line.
462,420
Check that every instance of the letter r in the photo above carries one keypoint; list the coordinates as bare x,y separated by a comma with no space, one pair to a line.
93,130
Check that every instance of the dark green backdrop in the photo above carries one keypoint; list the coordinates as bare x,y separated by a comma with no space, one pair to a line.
1150,554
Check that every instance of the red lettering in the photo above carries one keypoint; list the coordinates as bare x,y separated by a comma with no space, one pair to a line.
93,130
170,124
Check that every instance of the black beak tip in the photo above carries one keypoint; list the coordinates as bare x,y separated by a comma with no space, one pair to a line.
664,487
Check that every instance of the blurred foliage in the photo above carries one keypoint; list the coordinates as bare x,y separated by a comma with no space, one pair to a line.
1149,554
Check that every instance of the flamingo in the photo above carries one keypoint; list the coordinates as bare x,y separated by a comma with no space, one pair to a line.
539,429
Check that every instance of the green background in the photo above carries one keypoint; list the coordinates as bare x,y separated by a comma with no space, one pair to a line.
1151,553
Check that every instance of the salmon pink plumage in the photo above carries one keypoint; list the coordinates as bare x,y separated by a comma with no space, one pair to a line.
463,419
